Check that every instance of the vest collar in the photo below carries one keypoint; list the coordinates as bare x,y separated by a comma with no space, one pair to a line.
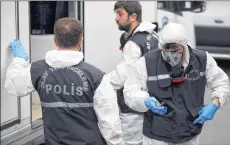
145,26
60,59
192,60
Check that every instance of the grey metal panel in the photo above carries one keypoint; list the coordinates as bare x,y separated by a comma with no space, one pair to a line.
24,135
36,137
72,9
212,36
11,130
220,56
215,49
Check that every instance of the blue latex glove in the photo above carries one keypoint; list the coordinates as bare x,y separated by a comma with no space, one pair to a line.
206,113
18,50
152,104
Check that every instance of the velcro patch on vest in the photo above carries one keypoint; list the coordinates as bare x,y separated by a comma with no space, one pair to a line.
194,75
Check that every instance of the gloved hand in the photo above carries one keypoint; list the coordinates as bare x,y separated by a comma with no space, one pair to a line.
206,113
153,105
18,50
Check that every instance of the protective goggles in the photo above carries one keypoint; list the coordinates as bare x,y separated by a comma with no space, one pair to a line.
171,46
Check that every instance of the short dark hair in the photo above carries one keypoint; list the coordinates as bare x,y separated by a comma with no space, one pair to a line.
130,7
68,32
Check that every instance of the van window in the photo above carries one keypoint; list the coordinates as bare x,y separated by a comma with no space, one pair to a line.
44,14
166,5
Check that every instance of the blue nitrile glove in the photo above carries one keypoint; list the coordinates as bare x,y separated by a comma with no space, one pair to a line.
206,113
18,50
152,103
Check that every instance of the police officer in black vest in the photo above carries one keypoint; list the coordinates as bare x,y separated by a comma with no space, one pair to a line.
169,86
79,105
140,38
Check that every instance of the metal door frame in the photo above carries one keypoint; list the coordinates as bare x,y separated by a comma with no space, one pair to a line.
16,120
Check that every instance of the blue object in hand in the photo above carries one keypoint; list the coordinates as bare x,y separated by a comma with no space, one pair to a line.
18,50
206,113
153,105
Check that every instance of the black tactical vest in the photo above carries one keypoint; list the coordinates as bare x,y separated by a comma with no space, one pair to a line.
184,100
66,96
147,42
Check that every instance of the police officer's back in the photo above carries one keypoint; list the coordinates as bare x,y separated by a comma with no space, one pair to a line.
74,94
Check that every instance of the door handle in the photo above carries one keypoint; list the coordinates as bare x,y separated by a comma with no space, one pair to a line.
17,19
218,21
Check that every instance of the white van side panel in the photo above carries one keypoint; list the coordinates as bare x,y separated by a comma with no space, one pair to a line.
9,104
8,33
24,35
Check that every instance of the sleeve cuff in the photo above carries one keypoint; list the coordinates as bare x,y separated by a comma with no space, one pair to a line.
137,102
222,97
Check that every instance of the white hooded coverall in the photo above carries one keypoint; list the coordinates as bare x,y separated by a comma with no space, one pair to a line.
136,92
131,123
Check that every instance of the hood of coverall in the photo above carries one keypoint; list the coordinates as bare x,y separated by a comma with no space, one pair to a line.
145,26
60,59
175,33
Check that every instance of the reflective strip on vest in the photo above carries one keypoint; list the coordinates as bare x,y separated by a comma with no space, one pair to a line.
64,104
166,76
155,35
159,77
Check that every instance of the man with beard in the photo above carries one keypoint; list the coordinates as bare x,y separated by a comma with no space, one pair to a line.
140,38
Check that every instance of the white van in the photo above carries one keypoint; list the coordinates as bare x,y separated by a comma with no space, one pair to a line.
207,23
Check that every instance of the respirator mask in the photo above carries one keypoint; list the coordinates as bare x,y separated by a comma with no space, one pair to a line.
174,58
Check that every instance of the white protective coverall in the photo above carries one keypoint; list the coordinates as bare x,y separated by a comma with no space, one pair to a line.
131,123
18,83
135,89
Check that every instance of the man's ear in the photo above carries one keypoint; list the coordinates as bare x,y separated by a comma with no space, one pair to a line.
79,44
55,41
133,17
